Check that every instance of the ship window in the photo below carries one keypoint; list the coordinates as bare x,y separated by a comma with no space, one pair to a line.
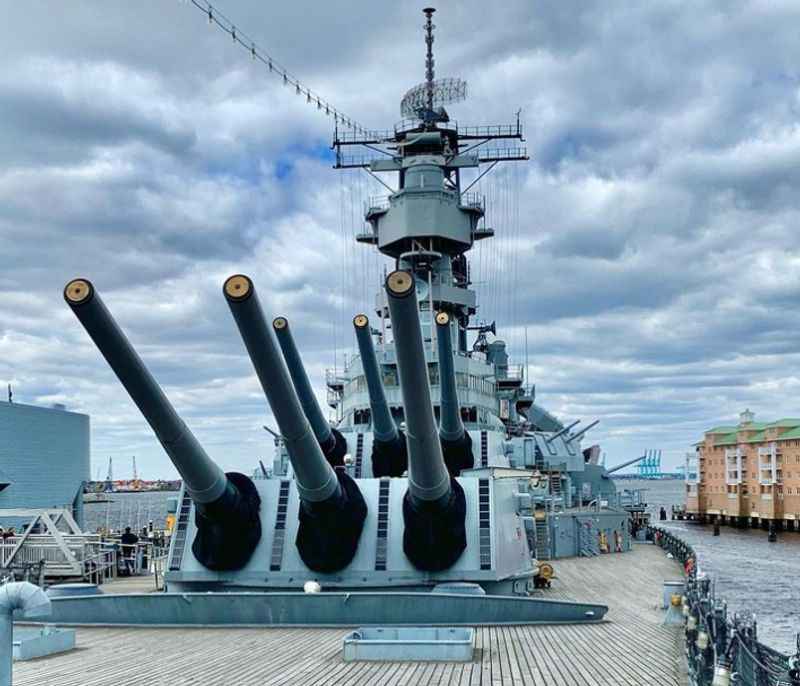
361,416
390,377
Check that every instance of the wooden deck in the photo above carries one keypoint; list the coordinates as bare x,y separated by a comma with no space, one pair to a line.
632,648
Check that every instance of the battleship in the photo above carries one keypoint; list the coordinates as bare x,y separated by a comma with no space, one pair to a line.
443,494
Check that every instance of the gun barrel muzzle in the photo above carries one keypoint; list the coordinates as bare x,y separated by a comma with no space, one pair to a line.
451,428
302,386
204,480
428,478
383,424
316,480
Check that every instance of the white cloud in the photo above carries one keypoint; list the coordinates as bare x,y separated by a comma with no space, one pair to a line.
656,259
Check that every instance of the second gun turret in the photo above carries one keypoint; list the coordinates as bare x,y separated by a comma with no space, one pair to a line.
434,506
389,455
332,509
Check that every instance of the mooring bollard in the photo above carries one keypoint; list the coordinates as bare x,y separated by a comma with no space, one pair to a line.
772,536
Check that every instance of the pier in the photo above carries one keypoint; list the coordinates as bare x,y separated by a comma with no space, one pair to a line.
631,648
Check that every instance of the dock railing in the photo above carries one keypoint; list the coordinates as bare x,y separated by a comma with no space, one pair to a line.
723,649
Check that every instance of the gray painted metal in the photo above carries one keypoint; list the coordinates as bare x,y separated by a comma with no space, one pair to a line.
278,566
428,479
383,425
44,459
408,644
203,478
30,602
32,643
302,386
315,478
450,425
316,609
627,463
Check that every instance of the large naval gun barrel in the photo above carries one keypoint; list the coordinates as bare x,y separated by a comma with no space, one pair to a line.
456,441
563,431
579,435
226,506
389,455
622,465
434,506
332,510
331,441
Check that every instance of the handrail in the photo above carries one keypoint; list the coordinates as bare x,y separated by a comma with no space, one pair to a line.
731,643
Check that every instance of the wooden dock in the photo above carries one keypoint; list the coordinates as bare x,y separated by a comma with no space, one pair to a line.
631,648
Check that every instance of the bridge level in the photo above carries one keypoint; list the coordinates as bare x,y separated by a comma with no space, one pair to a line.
595,654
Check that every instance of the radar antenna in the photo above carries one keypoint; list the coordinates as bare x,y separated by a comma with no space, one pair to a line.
425,101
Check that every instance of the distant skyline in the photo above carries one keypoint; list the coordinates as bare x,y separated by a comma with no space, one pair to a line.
652,256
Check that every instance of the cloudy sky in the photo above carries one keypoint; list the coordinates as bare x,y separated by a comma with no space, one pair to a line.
650,252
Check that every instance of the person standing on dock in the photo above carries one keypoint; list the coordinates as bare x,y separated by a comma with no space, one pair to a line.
129,542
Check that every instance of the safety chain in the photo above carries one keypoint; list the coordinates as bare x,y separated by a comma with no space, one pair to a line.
720,649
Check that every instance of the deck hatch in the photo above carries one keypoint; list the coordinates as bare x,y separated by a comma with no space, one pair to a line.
279,538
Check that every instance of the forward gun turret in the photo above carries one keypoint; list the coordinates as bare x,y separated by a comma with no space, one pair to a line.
434,507
226,506
456,442
389,455
332,510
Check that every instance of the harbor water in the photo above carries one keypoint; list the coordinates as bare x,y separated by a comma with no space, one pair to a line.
129,509
752,574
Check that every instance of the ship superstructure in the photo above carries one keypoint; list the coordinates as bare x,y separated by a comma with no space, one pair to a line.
440,477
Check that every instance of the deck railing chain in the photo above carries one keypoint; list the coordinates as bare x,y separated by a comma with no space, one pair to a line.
716,641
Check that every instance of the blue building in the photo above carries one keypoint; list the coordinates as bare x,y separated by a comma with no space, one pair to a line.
44,457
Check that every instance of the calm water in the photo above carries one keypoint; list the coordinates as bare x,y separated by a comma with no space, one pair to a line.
750,573
129,509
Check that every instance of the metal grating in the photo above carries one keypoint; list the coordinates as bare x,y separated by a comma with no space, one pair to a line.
359,455
181,527
279,538
383,525
484,449
484,524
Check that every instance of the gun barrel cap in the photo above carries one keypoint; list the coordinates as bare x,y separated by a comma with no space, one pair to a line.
280,323
237,287
442,318
78,291
400,283
360,320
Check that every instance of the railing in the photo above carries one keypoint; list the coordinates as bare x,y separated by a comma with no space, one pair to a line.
473,200
376,203
722,649
499,154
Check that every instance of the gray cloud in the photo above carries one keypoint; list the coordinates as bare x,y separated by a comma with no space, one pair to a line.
653,263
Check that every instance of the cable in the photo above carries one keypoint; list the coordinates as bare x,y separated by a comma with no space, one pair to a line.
215,17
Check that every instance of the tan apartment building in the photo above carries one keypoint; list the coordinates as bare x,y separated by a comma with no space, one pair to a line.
747,474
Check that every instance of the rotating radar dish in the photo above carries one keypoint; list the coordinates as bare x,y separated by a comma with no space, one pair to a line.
444,91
